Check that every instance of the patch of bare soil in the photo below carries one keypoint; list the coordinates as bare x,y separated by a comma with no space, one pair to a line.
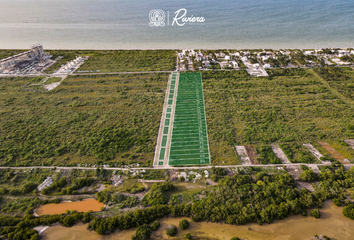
210,182
300,185
294,171
252,154
334,153
350,142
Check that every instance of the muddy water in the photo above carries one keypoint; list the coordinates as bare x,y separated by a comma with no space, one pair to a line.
332,224
80,206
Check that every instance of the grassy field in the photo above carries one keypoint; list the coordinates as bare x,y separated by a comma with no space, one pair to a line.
117,60
340,79
130,60
84,120
52,80
293,106
4,53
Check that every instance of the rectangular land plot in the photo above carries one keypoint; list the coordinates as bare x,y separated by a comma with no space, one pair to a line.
164,141
189,143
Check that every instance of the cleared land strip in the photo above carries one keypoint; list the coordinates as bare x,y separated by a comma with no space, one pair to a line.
189,143
314,151
350,142
334,153
164,135
241,151
280,154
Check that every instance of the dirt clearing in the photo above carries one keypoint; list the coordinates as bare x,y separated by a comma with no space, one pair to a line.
252,154
241,151
334,153
280,154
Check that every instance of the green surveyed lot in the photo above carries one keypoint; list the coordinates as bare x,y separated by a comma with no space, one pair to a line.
84,120
189,143
292,106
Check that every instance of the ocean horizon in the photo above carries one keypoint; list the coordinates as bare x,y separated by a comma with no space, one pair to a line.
123,24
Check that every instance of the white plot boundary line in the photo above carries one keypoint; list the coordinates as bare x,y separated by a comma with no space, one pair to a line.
162,121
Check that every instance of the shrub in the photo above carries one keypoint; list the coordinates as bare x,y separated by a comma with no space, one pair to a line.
183,224
304,213
235,238
143,232
3,190
315,213
188,236
308,176
337,202
14,191
348,211
214,178
155,225
28,187
171,230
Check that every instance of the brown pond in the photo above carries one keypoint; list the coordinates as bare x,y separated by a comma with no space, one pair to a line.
332,224
80,206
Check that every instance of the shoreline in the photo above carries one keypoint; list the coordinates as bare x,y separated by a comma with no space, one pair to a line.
154,49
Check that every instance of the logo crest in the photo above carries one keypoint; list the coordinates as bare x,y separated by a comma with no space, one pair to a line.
157,18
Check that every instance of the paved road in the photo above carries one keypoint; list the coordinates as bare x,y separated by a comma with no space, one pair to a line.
169,167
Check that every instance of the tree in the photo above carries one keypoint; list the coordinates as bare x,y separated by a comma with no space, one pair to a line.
235,238
181,179
188,236
28,187
143,232
183,224
68,221
155,225
171,230
214,178
348,211
337,202
308,176
315,213
3,190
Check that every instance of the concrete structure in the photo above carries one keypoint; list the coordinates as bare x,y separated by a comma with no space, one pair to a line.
31,61
11,62
46,183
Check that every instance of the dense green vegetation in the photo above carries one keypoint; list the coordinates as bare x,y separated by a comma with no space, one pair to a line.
171,230
315,213
254,196
155,225
143,232
84,120
266,155
4,53
130,60
292,106
183,224
117,60
297,153
340,79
